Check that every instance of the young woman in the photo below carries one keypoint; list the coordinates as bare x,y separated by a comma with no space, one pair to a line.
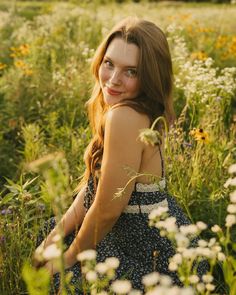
133,72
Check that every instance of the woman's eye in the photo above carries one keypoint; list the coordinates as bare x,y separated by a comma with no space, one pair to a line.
107,64
131,73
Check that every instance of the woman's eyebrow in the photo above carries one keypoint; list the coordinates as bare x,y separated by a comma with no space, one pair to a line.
125,66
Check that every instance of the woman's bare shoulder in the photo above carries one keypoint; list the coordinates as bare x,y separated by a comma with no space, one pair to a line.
127,116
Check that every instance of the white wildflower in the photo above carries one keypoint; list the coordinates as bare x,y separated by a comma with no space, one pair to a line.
91,276
177,258
135,292
186,291
201,225
51,252
202,243
230,181
150,279
210,287
87,255
230,220
165,280
200,287
121,286
221,256
233,197
193,279
170,224
215,228
189,253
182,240
158,212
206,252
207,278
188,229
112,262
101,268
232,169
212,242
231,208
173,266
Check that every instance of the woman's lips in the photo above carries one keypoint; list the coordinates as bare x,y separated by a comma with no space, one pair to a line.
112,91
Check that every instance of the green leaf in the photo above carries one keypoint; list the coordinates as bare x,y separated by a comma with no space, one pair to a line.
37,281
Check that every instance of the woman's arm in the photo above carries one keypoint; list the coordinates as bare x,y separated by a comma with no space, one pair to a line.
72,218
121,149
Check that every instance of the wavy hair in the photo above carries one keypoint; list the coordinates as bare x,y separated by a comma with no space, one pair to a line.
156,81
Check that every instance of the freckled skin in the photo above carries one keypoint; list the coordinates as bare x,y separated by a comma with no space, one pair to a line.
118,72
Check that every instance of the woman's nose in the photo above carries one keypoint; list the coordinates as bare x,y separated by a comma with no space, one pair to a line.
115,77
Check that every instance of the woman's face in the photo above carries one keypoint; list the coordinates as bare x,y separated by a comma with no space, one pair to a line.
118,72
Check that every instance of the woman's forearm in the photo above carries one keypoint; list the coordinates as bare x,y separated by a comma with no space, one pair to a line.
71,219
93,230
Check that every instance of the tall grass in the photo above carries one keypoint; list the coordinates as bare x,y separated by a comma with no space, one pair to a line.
45,81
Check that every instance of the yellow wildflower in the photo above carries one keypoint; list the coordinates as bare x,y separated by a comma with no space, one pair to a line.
200,55
199,135
24,49
232,46
20,64
28,72
221,41
2,66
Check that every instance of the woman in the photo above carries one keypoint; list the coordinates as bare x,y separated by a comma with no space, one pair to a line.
133,72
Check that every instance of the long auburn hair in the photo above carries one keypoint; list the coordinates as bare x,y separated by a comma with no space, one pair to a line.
156,81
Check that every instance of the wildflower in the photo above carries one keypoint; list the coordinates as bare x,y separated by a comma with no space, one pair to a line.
51,252
199,135
202,243
150,279
221,256
173,266
158,212
149,136
87,255
112,262
212,242
232,169
20,64
165,280
91,276
210,287
2,66
28,72
24,49
207,278
233,197
229,182
177,258
216,228
182,240
135,292
121,286
193,279
201,225
230,220
231,208
188,229
101,268
200,287
6,211
200,55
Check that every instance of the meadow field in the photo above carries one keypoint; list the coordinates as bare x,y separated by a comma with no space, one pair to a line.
45,54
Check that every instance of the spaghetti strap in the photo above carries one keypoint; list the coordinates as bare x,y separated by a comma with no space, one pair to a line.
162,163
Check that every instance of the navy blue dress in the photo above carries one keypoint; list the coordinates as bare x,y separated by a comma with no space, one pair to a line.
139,248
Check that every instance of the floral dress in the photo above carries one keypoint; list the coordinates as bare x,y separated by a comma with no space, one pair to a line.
139,248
